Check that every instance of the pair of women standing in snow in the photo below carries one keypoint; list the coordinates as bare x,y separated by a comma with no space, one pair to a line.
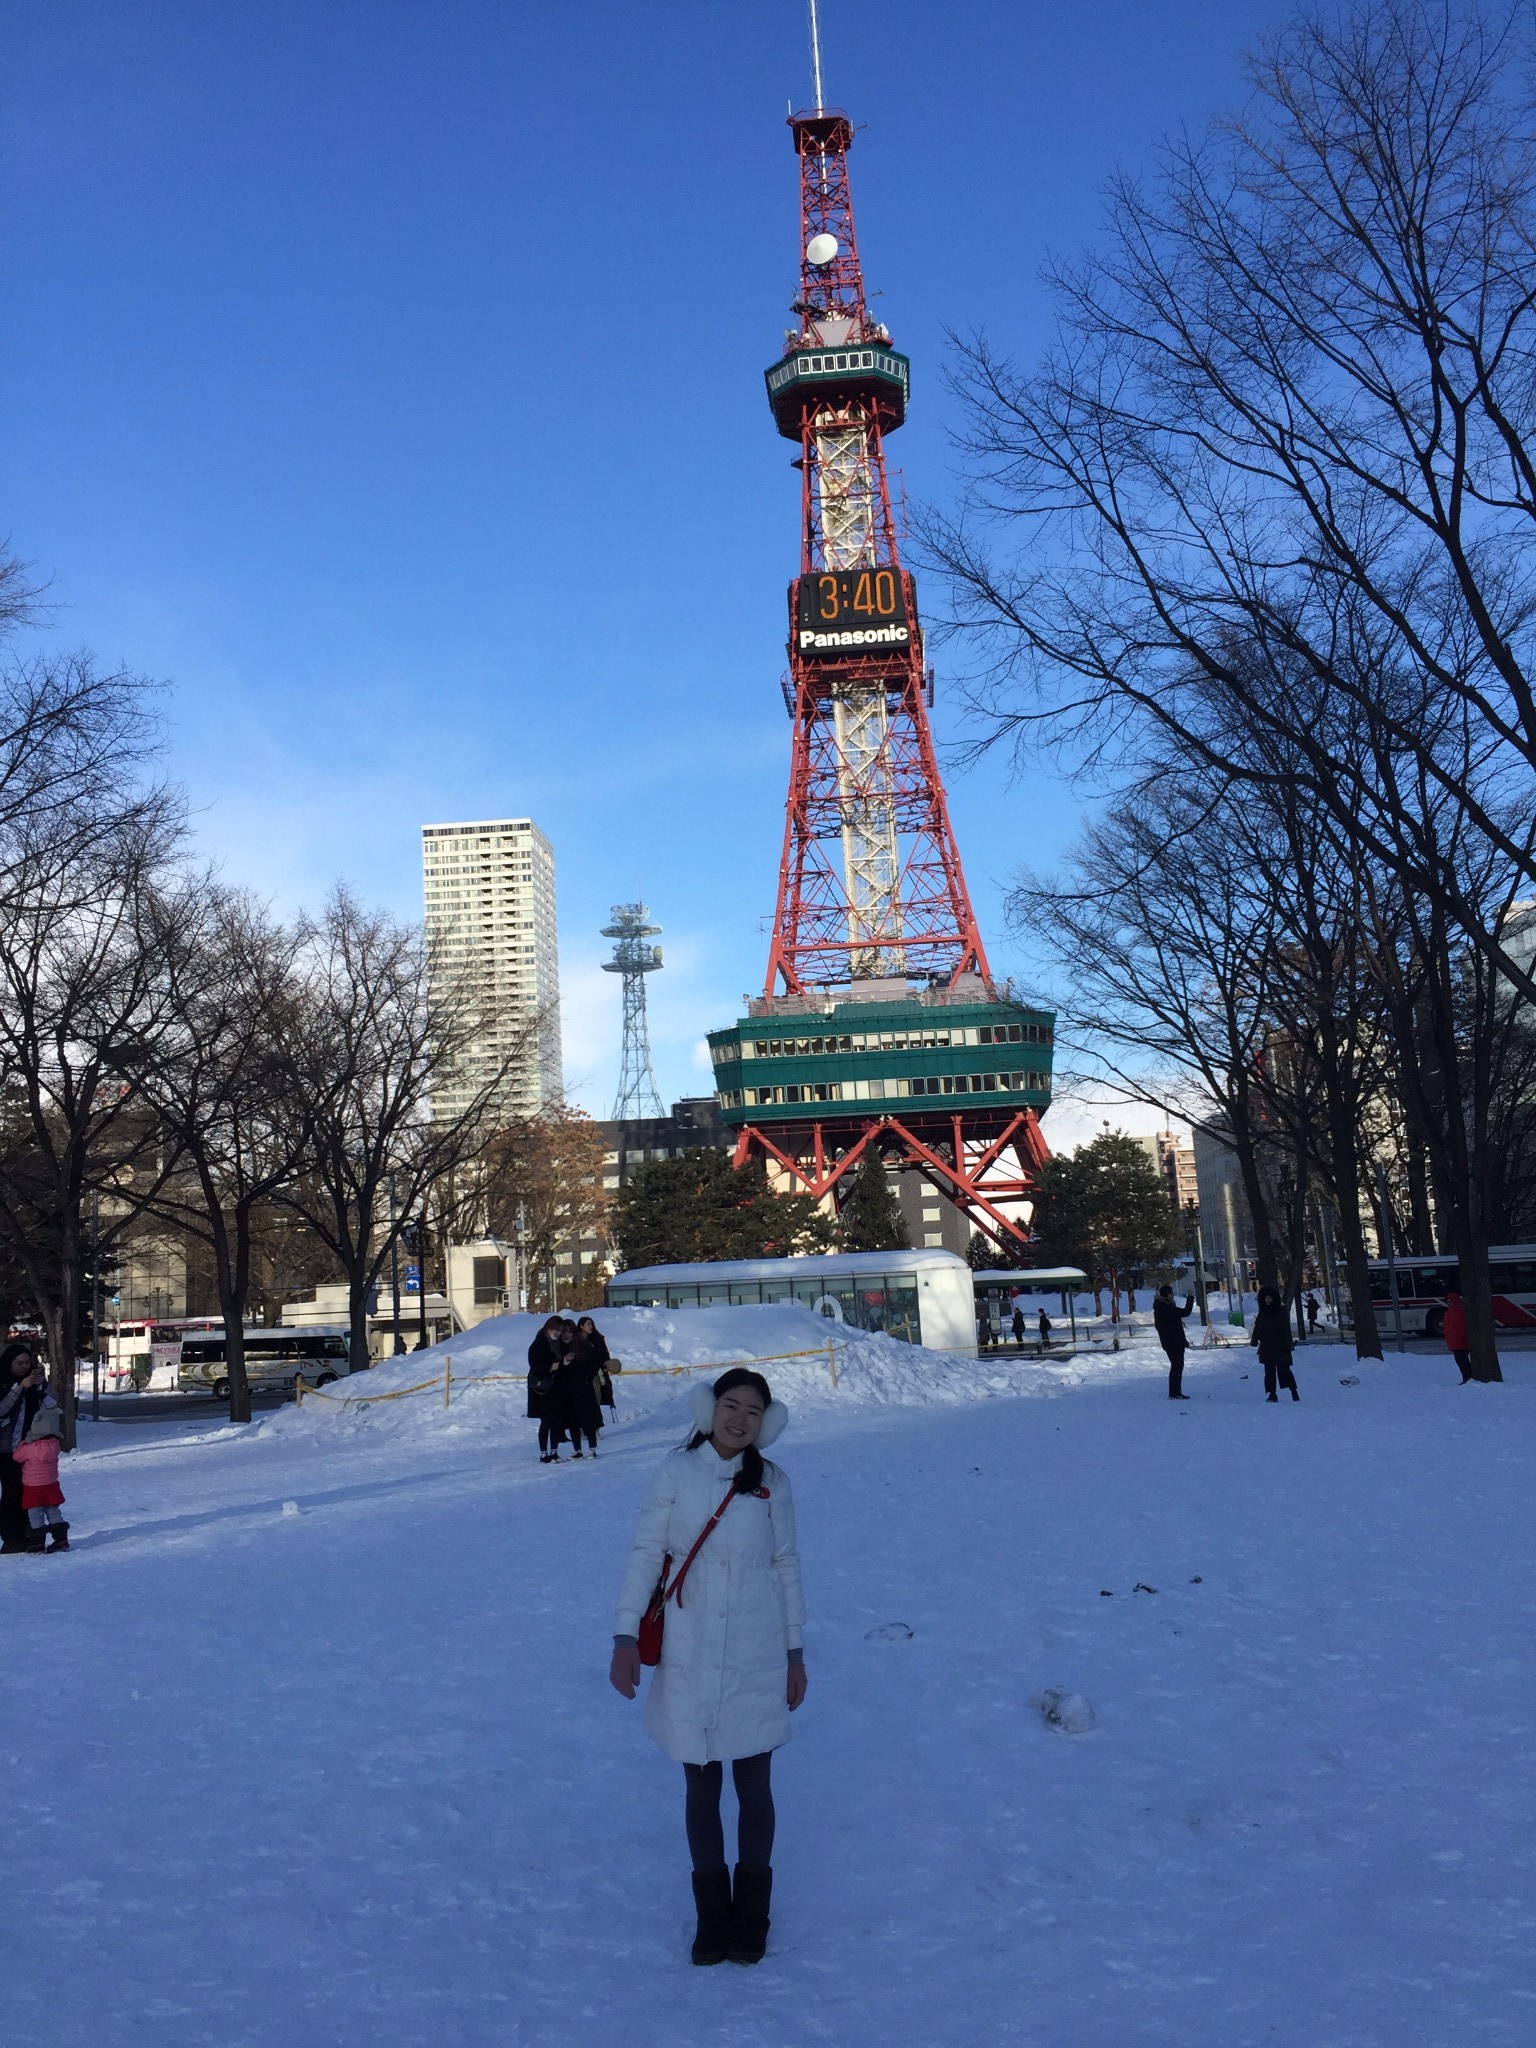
732,1666
567,1370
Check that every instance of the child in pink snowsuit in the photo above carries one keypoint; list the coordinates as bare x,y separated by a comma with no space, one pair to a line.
38,1456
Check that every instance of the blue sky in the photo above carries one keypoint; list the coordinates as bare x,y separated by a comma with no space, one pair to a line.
388,378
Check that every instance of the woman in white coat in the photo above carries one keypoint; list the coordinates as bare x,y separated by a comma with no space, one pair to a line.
732,1664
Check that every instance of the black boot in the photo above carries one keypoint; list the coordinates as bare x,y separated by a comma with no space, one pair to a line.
749,1915
59,1531
712,1896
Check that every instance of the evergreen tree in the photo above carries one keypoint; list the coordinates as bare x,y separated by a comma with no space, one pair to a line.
871,1218
1104,1208
699,1206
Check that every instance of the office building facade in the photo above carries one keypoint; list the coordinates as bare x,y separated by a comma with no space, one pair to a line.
489,890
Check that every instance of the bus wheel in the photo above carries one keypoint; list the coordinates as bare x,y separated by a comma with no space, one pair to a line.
1434,1323
326,1379
221,1390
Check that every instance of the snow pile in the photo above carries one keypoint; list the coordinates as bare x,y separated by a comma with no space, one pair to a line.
661,1351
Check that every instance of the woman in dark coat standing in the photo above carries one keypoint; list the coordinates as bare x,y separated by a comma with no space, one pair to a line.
595,1346
576,1406
1272,1334
544,1355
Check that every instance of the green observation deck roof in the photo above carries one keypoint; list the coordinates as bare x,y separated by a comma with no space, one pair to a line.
900,1057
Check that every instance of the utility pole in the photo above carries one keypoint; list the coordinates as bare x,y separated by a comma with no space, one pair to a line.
1388,1253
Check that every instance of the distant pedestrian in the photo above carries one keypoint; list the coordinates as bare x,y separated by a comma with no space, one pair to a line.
1455,1334
544,1355
1018,1326
1276,1346
1168,1319
1313,1312
24,1391
732,1666
983,1330
1044,1327
576,1406
596,1347
38,1456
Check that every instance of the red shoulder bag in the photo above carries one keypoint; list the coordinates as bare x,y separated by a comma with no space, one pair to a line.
654,1619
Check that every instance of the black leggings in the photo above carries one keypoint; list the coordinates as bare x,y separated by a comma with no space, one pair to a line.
754,1820
549,1436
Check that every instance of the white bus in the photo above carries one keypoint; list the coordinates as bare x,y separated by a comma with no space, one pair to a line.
274,1359
922,1297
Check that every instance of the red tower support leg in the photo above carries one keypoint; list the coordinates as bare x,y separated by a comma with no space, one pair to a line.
812,1165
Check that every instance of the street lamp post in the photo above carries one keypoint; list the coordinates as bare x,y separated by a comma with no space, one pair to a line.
1192,1215
1389,1253
422,1338
394,1268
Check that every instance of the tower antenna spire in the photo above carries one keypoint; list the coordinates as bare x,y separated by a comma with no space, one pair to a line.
816,54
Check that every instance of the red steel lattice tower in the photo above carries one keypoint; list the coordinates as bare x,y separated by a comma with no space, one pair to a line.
880,1033
870,882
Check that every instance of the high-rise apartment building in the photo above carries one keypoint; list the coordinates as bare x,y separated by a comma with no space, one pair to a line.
490,910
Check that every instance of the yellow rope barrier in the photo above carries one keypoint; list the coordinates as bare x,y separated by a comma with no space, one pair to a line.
302,1391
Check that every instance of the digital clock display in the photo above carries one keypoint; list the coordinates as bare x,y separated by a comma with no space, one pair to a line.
848,611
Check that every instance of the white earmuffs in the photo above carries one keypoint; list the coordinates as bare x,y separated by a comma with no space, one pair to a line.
701,1400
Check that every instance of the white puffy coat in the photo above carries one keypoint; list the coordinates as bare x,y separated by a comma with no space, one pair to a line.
718,1692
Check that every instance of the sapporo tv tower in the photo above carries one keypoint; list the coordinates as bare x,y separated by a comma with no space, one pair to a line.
879,1028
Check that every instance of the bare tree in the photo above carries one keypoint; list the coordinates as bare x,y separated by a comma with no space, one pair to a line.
218,1074
370,1050
543,1186
1289,411
77,994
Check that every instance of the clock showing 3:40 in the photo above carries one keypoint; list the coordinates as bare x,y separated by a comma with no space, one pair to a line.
837,609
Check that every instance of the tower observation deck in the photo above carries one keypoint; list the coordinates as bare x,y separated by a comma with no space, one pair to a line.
879,1027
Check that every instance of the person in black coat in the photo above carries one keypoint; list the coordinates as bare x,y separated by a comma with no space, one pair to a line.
595,1346
1168,1319
1272,1335
576,1406
544,1355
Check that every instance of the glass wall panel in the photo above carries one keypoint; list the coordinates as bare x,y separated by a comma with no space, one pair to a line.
746,1290
682,1297
901,1310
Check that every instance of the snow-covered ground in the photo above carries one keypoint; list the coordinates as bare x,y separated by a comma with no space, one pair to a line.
309,1741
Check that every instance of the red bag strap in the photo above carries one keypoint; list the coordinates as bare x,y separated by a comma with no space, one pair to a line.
705,1533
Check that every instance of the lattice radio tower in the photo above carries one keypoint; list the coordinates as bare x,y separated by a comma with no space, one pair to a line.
634,957
880,1030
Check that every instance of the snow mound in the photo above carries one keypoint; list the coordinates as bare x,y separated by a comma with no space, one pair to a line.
810,1362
